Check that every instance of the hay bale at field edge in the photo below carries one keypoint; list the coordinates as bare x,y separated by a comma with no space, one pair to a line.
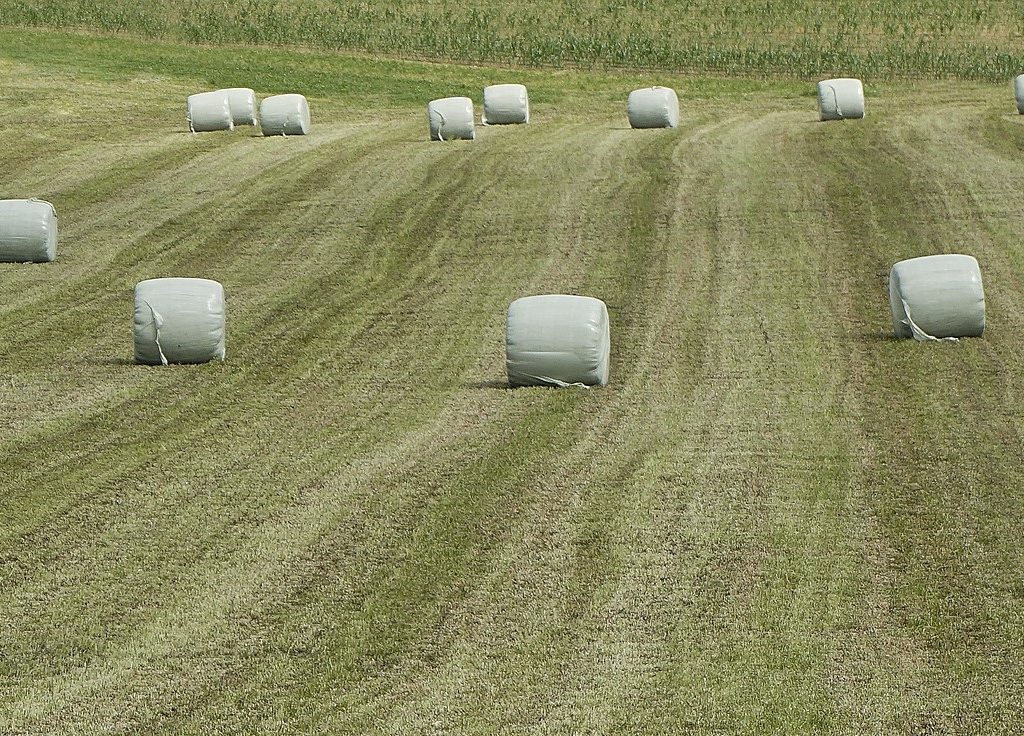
451,118
557,340
28,231
937,297
286,114
242,103
841,99
209,111
653,107
505,104
179,320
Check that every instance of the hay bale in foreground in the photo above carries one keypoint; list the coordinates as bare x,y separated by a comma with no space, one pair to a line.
284,115
451,118
934,297
28,231
653,107
506,104
242,103
557,340
1018,92
179,320
209,111
841,99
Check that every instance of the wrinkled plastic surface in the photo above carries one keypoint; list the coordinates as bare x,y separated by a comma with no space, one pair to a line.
179,320
653,107
28,231
451,118
506,104
557,340
840,99
284,115
1018,92
242,103
935,297
208,111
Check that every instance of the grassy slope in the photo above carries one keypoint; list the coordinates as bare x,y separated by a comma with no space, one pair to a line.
775,520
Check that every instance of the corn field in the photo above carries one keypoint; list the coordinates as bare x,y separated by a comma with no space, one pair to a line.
880,38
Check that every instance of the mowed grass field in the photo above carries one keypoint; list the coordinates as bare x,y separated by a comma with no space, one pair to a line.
776,519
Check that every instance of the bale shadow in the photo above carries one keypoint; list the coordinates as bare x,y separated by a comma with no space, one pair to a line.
876,336
488,385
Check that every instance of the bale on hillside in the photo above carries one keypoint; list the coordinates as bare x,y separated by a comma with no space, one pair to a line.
28,231
242,103
1018,92
935,297
451,118
179,320
284,115
505,104
653,107
207,111
557,340
840,99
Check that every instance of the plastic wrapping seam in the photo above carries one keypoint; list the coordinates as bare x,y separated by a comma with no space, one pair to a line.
158,322
835,99
556,382
919,334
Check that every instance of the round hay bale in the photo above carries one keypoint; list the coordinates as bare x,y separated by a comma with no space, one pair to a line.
179,320
557,340
242,103
1018,92
841,99
207,111
284,115
505,104
451,118
934,297
653,107
28,231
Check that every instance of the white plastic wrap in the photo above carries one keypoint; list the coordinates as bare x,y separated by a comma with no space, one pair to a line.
208,111
1018,92
557,340
242,103
28,231
505,104
451,118
179,320
653,107
284,115
841,99
935,297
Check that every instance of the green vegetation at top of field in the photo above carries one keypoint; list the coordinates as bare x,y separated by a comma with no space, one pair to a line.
874,39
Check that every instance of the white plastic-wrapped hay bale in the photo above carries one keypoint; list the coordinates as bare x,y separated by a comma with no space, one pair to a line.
1018,92
242,103
28,231
506,104
557,340
840,99
653,107
207,111
451,118
284,115
179,320
934,297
